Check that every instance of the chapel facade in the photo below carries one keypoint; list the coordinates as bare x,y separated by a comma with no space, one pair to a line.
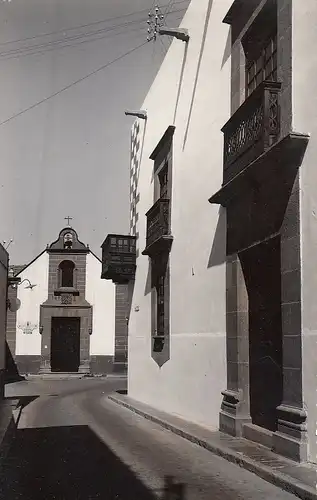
66,320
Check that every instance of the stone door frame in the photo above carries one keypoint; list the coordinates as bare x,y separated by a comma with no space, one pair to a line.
290,438
85,315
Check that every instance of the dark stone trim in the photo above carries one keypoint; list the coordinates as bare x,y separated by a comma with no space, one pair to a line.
69,290
66,306
4,256
28,364
68,252
101,365
58,245
2,382
11,323
84,313
119,367
295,416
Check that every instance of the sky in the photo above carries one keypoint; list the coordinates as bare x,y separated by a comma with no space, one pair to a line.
69,155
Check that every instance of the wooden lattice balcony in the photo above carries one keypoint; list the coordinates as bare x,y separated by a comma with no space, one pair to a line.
252,129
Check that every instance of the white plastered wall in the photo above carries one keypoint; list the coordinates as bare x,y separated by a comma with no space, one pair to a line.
190,383
101,295
37,274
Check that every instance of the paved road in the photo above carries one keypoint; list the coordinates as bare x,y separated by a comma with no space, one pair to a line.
74,444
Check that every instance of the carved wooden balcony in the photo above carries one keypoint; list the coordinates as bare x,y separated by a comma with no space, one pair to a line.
252,129
158,237
119,258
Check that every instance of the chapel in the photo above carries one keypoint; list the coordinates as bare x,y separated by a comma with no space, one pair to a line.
66,319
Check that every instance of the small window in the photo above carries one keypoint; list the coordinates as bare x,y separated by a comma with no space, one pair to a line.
66,271
163,180
68,241
263,67
160,307
159,270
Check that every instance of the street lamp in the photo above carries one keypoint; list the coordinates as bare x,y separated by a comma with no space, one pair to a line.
178,33
14,281
30,286
139,114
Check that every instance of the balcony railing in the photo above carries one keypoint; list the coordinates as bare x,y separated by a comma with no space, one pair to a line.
158,237
118,258
252,129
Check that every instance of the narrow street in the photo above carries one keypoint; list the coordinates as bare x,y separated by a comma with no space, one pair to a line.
73,443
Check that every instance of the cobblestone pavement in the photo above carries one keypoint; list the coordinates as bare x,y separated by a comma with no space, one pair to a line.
73,443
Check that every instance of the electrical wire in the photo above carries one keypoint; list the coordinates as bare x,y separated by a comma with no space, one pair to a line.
32,50
71,38
82,25
135,30
76,44
168,6
42,101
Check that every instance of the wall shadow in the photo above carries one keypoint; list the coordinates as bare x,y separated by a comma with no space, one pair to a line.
70,462
23,401
148,283
228,49
11,373
218,251
180,82
202,48
139,164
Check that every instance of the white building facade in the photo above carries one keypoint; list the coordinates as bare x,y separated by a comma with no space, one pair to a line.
222,324
178,363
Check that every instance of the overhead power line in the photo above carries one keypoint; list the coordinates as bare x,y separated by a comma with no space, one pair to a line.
42,101
75,44
84,25
70,38
68,45
40,48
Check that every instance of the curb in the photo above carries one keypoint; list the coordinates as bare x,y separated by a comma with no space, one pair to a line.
29,378
278,479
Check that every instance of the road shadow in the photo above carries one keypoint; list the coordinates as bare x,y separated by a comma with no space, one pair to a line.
71,463
11,374
23,401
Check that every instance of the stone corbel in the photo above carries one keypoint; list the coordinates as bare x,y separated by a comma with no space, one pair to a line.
293,418
231,399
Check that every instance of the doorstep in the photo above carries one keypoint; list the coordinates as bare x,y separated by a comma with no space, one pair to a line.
55,376
299,479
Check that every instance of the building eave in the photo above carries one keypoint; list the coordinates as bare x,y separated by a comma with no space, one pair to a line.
167,136
30,263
